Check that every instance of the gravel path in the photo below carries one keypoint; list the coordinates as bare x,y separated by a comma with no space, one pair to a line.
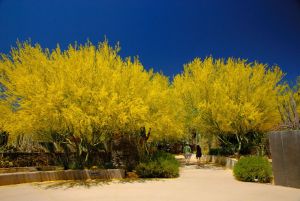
206,183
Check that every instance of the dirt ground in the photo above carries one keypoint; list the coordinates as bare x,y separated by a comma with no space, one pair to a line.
205,183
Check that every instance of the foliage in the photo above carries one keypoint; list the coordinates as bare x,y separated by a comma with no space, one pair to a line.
222,151
289,108
5,163
5,112
229,97
82,97
296,94
253,143
3,138
159,165
24,160
253,168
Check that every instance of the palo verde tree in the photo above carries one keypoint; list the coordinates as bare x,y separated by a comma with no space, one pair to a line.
83,96
229,97
289,107
86,95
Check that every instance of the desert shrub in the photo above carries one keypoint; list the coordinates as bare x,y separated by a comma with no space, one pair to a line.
253,168
159,165
5,163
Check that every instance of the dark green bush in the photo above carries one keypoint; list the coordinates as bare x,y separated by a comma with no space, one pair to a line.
159,165
6,163
253,168
222,151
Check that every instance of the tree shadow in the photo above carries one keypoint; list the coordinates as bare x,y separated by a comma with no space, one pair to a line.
67,184
140,180
210,166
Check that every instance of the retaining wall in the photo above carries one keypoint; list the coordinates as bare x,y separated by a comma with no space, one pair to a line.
221,160
27,177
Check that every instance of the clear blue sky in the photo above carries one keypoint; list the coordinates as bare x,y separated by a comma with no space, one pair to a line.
165,34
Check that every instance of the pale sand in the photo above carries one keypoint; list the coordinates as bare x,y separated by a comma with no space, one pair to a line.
209,183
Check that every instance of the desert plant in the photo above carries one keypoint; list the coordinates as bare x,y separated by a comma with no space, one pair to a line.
253,169
159,165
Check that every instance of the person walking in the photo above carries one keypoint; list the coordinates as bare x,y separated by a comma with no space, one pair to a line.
198,153
187,151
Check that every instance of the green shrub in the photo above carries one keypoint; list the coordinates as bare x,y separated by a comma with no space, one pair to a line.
253,168
5,163
159,165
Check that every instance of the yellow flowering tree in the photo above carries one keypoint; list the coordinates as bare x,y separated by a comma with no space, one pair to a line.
229,97
87,95
289,107
5,111
84,95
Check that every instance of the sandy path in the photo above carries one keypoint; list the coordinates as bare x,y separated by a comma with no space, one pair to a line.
211,184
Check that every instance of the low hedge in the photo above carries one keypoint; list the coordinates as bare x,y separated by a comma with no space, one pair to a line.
160,165
253,169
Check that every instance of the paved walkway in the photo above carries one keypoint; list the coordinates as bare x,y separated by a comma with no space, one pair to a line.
208,183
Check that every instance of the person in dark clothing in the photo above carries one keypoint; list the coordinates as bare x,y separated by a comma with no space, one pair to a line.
198,153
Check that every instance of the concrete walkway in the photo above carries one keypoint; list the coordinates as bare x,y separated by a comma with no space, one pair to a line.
207,183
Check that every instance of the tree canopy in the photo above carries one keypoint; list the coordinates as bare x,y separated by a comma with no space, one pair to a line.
89,92
230,96
85,91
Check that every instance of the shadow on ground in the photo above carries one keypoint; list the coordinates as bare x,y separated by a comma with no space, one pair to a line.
72,183
193,164
210,166
90,183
